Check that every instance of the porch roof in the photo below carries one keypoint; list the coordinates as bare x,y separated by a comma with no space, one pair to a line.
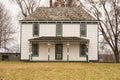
59,39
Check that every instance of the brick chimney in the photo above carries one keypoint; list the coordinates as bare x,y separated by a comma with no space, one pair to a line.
51,3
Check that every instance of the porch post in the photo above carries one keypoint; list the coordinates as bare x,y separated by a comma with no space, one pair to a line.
30,51
68,44
87,51
49,51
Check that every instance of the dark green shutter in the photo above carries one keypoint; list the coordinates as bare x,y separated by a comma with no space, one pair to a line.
35,29
35,49
59,29
83,30
83,50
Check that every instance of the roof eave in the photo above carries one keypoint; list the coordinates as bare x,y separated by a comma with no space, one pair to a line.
59,21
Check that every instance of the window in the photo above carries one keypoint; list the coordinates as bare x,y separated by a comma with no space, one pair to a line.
35,29
35,49
58,29
83,29
83,50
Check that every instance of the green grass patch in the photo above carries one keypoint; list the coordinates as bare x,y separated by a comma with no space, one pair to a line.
59,71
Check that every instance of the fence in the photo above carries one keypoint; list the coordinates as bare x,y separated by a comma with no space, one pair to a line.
107,58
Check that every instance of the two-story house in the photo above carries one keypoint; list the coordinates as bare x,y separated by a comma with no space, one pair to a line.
59,34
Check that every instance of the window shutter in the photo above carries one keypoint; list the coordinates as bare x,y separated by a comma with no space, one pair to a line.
59,29
35,49
83,30
35,29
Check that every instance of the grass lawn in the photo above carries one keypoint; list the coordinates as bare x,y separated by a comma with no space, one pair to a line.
59,71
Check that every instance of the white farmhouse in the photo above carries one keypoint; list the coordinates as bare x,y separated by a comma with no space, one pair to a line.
59,34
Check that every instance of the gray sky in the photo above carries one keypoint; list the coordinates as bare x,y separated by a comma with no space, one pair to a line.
13,8
14,11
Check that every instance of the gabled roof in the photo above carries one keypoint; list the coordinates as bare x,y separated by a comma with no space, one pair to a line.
60,14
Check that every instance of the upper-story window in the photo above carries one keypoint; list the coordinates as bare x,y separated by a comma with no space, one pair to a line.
59,29
36,29
83,30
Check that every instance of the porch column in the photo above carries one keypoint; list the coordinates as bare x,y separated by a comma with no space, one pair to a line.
68,44
87,51
30,51
49,51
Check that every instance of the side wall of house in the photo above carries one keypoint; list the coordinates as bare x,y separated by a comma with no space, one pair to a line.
92,35
25,36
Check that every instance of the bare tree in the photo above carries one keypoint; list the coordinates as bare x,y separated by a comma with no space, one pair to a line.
14,48
108,12
6,29
27,6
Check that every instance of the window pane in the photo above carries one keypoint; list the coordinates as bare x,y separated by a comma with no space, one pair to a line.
35,49
83,29
83,50
58,29
35,29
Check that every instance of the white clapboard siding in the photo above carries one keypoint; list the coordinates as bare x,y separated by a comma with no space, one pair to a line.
74,53
71,30
92,31
26,34
47,29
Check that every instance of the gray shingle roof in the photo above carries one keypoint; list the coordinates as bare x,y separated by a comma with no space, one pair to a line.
60,14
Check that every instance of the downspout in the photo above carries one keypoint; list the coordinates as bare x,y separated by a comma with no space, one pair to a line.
20,38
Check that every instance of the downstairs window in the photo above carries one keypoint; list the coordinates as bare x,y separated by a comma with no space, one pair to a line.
35,49
83,50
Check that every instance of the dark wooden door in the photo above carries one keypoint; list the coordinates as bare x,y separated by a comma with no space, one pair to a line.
58,51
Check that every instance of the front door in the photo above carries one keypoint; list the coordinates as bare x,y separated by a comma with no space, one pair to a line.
58,51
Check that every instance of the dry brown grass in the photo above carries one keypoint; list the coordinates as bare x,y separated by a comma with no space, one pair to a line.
59,71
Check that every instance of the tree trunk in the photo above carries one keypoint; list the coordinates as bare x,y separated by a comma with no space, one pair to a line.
117,57
51,4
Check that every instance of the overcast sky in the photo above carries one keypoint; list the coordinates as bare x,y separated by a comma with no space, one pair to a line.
11,7
14,11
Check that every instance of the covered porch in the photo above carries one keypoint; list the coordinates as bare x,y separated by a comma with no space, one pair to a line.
58,49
